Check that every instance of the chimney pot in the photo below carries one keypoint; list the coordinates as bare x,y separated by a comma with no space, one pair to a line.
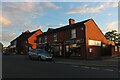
71,21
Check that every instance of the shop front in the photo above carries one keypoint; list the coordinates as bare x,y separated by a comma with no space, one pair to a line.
73,48
57,49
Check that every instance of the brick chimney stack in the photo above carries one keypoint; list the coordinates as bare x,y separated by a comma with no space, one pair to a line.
71,21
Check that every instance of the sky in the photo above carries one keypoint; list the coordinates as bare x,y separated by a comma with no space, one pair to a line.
17,17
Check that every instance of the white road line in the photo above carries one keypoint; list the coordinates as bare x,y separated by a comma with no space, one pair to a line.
95,68
85,67
109,69
119,71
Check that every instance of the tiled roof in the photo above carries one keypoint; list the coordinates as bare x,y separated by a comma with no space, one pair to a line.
25,35
63,28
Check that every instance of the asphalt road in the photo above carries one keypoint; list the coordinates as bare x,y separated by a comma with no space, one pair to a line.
19,66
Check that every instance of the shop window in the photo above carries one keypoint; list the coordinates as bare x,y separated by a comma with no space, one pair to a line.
56,48
55,37
73,33
115,48
73,45
67,48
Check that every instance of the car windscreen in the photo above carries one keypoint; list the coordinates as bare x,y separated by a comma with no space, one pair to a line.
43,52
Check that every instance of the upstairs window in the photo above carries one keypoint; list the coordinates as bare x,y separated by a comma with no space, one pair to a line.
39,40
73,33
45,39
55,37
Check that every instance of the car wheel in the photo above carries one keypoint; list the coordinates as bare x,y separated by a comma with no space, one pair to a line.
39,58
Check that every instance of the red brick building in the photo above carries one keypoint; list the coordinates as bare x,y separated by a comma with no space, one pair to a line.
83,39
24,42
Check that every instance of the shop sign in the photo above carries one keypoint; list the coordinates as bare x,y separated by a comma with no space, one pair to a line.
69,42
94,43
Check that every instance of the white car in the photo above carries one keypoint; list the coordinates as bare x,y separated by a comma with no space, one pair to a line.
39,54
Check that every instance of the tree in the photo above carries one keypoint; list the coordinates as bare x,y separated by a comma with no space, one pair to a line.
113,36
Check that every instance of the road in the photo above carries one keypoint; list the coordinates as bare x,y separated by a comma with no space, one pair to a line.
19,66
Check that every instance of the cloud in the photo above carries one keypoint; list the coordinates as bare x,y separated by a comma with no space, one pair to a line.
109,14
111,26
4,20
88,9
20,16
51,5
115,4
54,26
7,36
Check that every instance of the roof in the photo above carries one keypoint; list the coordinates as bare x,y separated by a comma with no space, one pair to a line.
25,35
50,30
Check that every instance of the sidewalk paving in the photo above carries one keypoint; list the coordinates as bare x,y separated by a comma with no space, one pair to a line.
103,63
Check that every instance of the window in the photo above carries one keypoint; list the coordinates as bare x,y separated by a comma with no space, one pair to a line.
82,28
115,48
73,33
90,50
81,40
45,39
39,40
55,37
103,45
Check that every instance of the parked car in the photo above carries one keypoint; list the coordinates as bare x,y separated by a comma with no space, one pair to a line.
39,54
5,53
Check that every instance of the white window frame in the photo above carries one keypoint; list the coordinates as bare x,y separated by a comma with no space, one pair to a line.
55,37
116,49
73,33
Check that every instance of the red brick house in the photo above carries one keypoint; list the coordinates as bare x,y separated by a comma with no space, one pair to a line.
83,39
24,42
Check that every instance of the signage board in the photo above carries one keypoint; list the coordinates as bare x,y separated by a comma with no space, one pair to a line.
94,43
69,42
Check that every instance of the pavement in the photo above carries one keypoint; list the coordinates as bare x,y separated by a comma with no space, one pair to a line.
106,62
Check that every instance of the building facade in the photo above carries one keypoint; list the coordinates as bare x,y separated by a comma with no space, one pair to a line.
24,42
83,39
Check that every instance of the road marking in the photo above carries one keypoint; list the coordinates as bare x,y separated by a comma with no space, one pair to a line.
95,68
119,71
85,67
109,69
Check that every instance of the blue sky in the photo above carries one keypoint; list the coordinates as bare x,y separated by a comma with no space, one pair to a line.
21,16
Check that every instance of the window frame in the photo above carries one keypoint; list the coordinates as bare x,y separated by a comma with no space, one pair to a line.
73,33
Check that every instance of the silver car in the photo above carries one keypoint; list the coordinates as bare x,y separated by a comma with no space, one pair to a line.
39,54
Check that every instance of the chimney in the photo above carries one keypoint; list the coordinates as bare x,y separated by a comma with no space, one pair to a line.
27,31
71,21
